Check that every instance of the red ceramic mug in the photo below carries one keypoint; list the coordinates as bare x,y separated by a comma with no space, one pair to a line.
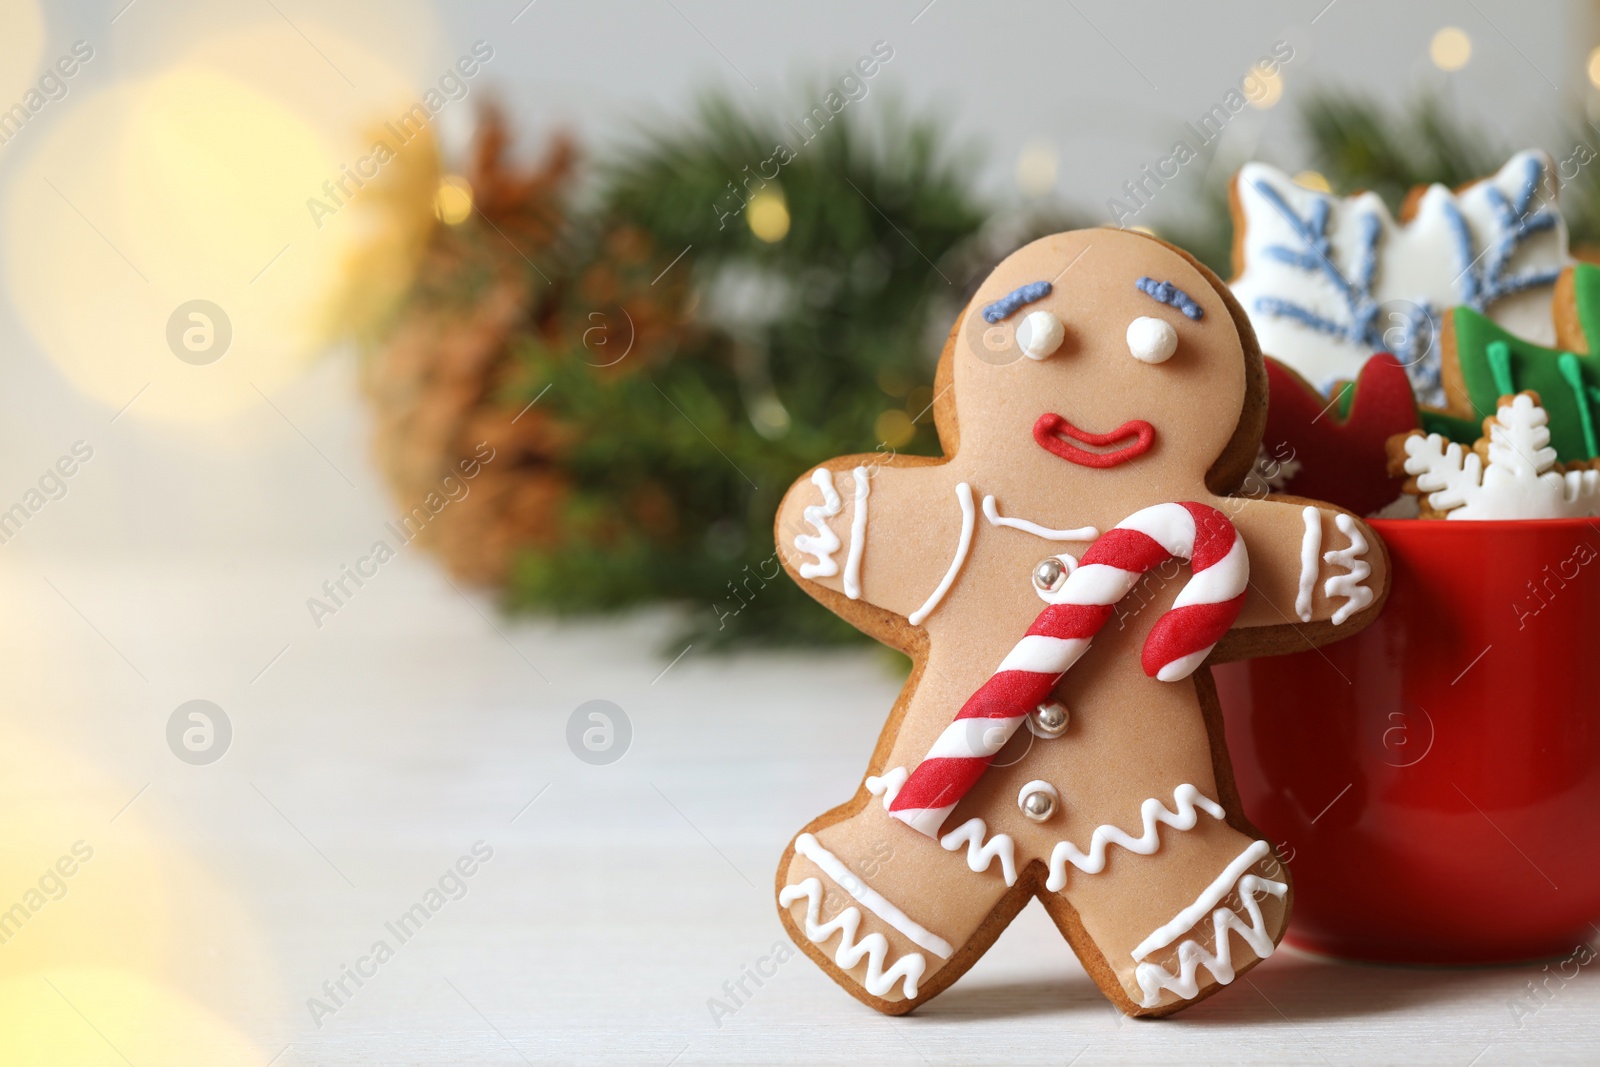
1434,781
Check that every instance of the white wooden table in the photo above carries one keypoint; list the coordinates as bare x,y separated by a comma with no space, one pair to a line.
368,756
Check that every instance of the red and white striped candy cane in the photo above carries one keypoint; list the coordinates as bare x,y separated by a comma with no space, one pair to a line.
1177,644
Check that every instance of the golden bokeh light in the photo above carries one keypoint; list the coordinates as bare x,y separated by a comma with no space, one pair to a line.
150,196
99,1015
452,201
1450,48
894,428
359,98
1311,179
768,215
1271,83
115,915
21,48
212,182
1594,68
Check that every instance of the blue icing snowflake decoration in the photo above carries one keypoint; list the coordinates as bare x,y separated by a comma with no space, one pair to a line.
1482,286
1408,328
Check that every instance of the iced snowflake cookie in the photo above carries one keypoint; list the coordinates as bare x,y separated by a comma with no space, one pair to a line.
1327,281
1510,473
1060,578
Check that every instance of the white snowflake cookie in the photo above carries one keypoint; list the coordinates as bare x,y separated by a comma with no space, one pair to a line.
1511,473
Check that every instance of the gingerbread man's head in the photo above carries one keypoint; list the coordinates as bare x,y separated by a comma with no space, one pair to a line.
1106,362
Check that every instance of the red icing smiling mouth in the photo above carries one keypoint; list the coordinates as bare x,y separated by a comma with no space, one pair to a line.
1051,428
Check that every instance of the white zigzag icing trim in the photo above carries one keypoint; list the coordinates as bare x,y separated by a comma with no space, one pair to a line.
980,855
1349,585
875,947
1209,898
826,542
888,785
1186,797
808,846
1153,978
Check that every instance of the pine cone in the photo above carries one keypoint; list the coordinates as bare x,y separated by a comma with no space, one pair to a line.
475,476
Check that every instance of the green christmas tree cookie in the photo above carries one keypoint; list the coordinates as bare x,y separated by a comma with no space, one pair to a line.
1483,362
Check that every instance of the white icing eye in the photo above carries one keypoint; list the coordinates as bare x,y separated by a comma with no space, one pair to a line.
1039,335
1151,340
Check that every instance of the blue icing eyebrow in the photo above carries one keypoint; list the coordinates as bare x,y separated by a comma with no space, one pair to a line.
1168,293
1027,294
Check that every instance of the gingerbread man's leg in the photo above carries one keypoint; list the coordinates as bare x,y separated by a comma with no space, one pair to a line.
889,912
1164,889
1180,900
1170,928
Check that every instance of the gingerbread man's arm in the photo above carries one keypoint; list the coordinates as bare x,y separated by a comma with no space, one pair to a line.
1317,574
875,533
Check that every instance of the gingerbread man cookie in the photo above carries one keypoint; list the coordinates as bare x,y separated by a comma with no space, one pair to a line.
1059,735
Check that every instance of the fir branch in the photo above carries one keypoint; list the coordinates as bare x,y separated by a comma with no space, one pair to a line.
844,304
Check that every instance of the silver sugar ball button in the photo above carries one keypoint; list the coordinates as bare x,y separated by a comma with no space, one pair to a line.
1050,575
1050,719
1038,800
1038,806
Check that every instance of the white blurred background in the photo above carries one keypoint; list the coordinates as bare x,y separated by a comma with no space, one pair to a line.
126,197
178,164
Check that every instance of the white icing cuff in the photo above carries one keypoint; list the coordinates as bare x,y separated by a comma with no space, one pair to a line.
1185,919
809,847
874,947
1192,955
858,536
826,542
1350,585
1310,550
